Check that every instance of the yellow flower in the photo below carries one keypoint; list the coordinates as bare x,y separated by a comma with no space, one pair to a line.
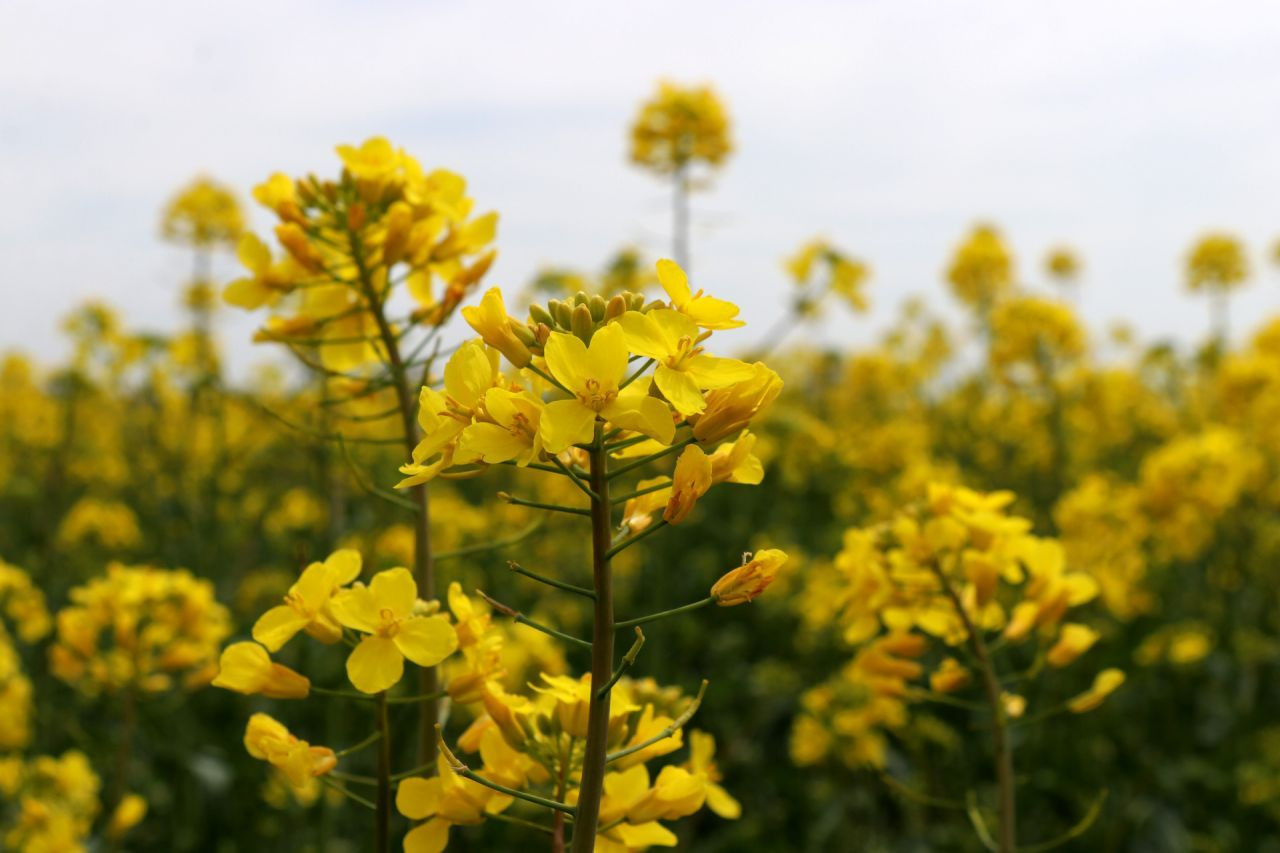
733,462
469,374
593,374
491,322
128,814
509,431
385,611
707,311
445,800
747,582
1073,641
672,339
247,668
702,751
268,740
1216,262
375,160
691,481
306,606
730,409
949,677
678,126
981,270
1106,683
269,280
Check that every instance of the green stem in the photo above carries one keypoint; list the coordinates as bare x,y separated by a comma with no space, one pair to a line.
1008,812
666,451
628,661
663,614
591,785
567,587
382,810
648,531
520,618
572,510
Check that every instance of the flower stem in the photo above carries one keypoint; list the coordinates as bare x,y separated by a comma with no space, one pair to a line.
382,808
593,761
1008,838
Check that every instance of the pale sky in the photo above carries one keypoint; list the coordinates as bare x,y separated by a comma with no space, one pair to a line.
889,126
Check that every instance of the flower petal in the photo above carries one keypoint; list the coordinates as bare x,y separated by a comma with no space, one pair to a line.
427,640
375,665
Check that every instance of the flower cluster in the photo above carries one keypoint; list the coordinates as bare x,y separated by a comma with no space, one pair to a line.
139,628
819,268
47,803
348,243
678,126
953,572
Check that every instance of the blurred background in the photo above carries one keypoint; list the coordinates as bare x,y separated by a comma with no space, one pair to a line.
1015,247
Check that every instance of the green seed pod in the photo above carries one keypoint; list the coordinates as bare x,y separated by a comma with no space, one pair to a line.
582,324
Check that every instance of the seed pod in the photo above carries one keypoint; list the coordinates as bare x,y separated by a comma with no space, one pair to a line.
582,324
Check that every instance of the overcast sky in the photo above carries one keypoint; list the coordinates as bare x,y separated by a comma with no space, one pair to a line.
1124,129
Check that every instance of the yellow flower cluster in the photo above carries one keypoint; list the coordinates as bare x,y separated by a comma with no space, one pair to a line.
678,126
819,268
981,270
204,213
534,741
1029,333
343,239
1192,482
24,605
1216,262
139,628
483,418
955,568
108,524
54,802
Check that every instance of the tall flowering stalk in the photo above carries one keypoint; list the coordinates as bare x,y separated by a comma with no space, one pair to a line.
602,390
677,130
375,264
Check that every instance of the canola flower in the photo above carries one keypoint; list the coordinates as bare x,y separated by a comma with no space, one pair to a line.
954,570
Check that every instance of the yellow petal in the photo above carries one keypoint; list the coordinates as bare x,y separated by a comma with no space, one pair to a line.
431,837
680,389
426,641
722,803
394,590
644,336
375,665
277,626
566,422
674,282
355,608
647,415
418,798
344,566
567,360
491,443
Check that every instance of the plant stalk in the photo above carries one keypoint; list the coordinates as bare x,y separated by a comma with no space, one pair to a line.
597,747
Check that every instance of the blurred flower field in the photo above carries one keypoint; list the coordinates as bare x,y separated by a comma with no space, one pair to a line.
575,564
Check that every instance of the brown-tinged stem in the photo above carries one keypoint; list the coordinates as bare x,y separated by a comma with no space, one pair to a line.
382,810
424,569
1008,839
597,746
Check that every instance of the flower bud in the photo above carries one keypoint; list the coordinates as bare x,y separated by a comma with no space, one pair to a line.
746,583
582,324
247,668
616,308
563,312
596,304
538,314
